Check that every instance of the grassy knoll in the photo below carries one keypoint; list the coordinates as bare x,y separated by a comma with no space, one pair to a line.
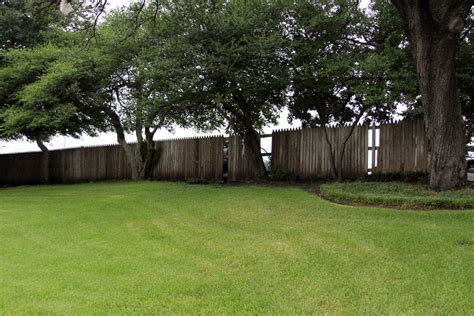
396,194
157,247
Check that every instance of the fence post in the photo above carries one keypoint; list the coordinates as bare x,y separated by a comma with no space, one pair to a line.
373,146
46,167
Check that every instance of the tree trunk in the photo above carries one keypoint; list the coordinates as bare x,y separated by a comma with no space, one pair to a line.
243,116
443,115
132,157
133,160
149,154
45,151
144,156
433,29
252,147
340,159
337,162
332,159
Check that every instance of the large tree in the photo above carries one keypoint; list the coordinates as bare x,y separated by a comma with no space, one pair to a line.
24,23
235,53
119,77
346,67
433,29
137,72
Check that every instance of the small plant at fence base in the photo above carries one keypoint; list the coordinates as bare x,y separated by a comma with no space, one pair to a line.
282,175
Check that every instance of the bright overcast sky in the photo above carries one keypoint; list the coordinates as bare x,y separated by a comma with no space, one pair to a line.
118,3
59,142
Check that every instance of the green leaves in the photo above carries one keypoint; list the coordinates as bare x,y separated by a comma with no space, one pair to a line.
236,61
206,64
345,61
24,23
42,90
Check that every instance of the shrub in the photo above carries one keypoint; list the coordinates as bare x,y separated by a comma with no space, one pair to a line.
281,175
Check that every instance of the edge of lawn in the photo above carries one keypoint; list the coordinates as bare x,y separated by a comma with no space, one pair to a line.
397,195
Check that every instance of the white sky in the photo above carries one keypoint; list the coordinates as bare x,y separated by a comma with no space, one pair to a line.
60,142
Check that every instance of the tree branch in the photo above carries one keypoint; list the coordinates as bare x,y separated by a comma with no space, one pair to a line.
41,145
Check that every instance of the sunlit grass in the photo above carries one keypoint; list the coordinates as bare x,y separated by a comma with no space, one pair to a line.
157,247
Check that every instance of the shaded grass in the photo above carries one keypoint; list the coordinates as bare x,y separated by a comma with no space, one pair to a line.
397,194
156,247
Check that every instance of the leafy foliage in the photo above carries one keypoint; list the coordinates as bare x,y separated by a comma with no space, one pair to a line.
44,73
235,54
205,64
42,90
347,63
24,23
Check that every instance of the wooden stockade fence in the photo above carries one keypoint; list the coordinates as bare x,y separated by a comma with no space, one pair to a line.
402,149
19,169
301,152
304,153
191,159
88,164
197,158
240,166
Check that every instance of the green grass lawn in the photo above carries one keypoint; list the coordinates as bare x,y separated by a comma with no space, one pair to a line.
157,247
398,194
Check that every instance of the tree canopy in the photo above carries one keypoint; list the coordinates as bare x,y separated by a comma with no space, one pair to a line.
226,64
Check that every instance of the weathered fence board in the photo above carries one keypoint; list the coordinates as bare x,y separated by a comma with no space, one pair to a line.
24,168
241,167
191,158
402,148
180,159
88,164
304,153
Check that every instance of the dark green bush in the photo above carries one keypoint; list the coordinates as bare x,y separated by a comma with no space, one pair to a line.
282,175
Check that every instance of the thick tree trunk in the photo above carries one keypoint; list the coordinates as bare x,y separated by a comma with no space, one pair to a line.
252,147
443,115
149,154
242,114
143,157
133,160
433,29
131,154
